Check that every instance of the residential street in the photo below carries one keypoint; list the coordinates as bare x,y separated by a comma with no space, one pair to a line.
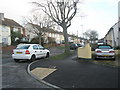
59,44
73,73
70,73
14,75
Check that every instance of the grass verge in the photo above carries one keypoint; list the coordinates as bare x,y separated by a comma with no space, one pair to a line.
119,53
61,47
102,62
62,56
107,62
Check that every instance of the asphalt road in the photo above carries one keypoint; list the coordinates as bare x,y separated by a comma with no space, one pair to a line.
76,74
14,75
70,74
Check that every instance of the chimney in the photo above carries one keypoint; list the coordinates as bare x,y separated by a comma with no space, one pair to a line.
2,16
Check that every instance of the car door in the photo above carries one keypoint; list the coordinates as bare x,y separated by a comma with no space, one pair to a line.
36,51
42,51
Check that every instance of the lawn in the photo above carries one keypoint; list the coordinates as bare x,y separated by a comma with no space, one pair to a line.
62,56
108,62
119,53
61,47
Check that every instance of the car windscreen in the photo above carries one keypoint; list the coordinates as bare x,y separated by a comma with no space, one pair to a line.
79,45
23,47
104,47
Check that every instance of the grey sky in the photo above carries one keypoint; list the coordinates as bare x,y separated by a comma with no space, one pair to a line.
100,15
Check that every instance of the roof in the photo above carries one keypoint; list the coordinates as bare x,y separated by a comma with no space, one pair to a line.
51,30
10,22
112,28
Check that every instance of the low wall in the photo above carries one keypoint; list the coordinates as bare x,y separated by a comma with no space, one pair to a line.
85,52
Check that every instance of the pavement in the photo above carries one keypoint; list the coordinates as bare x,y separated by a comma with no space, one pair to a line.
74,73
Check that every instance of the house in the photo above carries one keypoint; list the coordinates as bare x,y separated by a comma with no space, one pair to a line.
29,30
112,37
57,35
6,26
119,24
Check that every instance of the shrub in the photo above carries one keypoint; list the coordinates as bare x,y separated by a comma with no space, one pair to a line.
35,40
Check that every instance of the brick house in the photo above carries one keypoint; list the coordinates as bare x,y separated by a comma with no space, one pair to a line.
6,26
57,35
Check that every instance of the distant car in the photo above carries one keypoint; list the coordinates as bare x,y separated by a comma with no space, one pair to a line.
75,46
79,45
105,51
30,52
100,43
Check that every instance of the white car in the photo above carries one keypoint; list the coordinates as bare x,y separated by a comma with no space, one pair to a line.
105,51
30,52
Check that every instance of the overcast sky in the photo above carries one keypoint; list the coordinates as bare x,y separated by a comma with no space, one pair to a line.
99,15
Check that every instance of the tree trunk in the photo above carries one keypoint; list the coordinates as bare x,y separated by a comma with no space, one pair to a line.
67,46
39,39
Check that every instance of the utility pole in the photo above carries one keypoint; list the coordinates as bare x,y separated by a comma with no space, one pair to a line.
83,34
77,37
82,28
82,31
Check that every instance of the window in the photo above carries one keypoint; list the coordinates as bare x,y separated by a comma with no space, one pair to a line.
35,47
15,29
5,40
23,47
40,47
4,29
104,47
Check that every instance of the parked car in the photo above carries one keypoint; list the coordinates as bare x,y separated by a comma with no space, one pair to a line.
75,46
79,45
105,51
30,52
100,43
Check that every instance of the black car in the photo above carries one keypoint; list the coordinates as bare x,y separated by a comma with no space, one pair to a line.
74,46
79,45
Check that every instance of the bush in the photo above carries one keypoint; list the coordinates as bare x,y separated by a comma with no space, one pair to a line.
15,35
35,40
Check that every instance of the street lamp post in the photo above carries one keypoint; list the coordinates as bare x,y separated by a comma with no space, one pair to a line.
77,37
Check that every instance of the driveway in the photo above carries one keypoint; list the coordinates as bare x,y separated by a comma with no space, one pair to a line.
73,73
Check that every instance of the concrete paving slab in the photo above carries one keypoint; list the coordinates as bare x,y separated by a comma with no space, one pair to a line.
42,72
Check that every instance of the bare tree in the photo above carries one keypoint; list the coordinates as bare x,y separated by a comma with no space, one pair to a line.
61,12
39,24
92,35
